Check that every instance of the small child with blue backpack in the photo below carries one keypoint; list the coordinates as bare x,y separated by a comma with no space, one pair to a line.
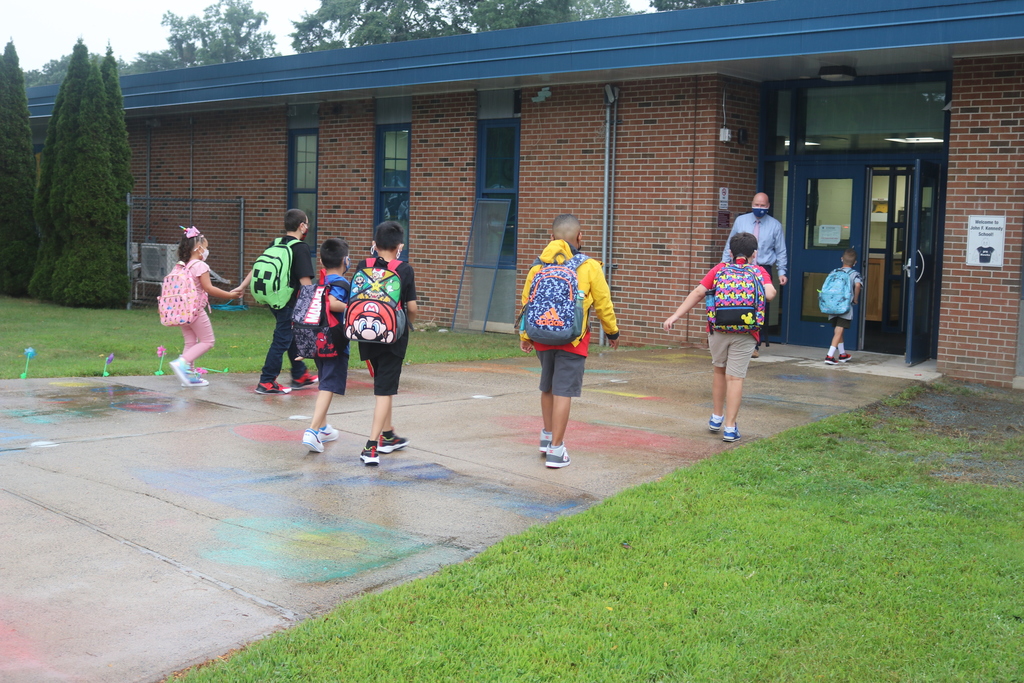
333,370
733,330
840,292
562,357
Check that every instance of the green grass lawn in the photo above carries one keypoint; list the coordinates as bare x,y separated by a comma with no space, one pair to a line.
73,342
829,552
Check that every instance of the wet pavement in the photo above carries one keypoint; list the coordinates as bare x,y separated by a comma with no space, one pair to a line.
146,527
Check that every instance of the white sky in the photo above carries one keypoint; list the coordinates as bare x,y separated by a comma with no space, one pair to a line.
48,30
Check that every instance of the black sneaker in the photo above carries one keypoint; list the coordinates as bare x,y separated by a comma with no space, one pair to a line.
843,357
395,443
829,360
271,388
369,456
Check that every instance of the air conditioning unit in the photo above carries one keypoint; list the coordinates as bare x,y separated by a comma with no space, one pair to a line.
157,260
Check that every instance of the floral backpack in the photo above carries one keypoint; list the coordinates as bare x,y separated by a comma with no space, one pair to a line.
181,298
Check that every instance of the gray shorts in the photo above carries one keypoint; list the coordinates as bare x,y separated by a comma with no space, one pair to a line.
731,350
561,372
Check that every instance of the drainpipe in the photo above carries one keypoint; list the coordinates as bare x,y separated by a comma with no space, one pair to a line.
611,95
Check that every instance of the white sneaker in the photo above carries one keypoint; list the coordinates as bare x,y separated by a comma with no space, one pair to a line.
545,442
327,433
312,440
194,380
557,456
181,370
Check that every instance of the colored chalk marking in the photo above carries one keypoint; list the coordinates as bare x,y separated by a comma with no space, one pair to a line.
482,396
627,395
300,417
43,444
268,433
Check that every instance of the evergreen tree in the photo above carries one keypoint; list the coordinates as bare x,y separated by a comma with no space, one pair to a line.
50,191
92,269
18,238
120,150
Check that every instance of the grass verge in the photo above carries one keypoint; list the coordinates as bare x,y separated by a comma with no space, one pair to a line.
828,552
73,342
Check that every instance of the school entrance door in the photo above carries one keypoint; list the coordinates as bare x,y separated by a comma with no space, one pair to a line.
887,213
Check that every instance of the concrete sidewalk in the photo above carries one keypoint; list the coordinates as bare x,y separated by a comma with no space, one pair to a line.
146,527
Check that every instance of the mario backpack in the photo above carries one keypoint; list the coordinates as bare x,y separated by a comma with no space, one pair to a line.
375,312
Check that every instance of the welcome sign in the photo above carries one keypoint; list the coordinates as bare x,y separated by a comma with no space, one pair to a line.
985,240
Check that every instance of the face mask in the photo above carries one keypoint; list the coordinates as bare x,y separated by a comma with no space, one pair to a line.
760,213
206,252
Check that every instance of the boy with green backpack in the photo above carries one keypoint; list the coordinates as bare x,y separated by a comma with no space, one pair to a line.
274,280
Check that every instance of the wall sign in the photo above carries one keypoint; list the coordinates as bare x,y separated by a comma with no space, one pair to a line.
985,240
830,234
723,199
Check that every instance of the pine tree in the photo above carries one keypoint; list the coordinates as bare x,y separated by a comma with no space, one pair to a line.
51,189
18,235
92,269
120,150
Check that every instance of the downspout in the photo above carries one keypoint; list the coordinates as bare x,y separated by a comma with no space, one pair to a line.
191,163
610,96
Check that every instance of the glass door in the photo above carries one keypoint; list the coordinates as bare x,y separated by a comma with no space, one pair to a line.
920,267
828,217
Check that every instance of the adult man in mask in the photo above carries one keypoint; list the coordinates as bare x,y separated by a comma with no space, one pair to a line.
771,243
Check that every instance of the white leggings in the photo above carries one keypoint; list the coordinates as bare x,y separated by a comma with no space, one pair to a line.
198,337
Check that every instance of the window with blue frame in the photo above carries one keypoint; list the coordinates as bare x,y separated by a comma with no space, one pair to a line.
498,175
393,176
302,177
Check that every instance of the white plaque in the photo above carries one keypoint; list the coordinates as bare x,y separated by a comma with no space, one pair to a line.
985,240
830,234
723,199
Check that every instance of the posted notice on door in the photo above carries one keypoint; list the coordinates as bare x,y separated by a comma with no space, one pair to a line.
985,238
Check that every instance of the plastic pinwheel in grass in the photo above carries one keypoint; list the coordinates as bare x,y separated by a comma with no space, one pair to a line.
30,353
106,364
160,351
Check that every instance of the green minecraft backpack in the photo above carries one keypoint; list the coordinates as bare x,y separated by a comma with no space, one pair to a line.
271,275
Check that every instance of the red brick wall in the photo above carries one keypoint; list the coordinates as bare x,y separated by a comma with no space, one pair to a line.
443,185
669,166
979,314
233,154
345,200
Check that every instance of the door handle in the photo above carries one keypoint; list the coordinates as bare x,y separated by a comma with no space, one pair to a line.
906,268
920,273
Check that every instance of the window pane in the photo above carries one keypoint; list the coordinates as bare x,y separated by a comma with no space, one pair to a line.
778,121
829,207
395,207
304,172
896,117
499,171
307,202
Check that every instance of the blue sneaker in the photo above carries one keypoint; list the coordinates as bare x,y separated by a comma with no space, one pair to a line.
731,434
714,425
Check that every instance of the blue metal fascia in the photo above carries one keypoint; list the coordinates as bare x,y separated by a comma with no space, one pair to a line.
760,30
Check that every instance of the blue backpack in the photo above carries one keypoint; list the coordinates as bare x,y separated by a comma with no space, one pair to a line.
836,294
553,313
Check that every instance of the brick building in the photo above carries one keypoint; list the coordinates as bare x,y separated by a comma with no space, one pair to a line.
894,128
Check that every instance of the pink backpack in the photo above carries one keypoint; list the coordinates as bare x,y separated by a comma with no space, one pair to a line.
181,298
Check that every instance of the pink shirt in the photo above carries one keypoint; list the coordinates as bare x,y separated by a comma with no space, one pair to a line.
709,282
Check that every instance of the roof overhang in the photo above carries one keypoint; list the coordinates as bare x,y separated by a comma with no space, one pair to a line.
771,40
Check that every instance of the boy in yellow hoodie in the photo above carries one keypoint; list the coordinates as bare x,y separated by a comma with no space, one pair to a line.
561,375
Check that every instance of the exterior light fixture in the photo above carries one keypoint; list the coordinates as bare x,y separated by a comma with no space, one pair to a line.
837,73
542,94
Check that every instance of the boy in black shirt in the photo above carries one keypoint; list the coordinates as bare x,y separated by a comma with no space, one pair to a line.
386,360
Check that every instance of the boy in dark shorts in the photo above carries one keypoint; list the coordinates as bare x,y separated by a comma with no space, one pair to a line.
730,351
842,322
333,372
561,367
386,360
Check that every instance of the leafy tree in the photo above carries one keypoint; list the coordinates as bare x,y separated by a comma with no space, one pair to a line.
49,205
493,15
583,10
54,71
229,31
350,23
18,235
669,5
91,270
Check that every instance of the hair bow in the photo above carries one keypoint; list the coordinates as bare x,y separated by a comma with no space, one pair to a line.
190,232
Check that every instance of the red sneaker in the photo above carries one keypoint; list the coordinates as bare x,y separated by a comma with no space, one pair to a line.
843,357
304,381
271,388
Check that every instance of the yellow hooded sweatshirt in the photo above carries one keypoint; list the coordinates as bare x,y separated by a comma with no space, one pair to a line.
590,276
